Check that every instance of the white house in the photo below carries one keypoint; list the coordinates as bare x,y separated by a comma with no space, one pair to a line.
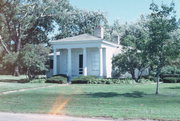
83,55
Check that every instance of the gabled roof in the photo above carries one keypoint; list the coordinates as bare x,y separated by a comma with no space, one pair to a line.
82,37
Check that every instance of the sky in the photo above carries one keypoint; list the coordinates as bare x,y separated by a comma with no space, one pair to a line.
122,10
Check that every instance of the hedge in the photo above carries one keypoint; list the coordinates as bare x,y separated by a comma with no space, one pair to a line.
60,79
95,80
171,79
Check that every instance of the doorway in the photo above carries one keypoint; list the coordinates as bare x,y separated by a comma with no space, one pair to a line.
80,64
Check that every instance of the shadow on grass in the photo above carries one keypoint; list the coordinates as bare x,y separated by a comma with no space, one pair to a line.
135,94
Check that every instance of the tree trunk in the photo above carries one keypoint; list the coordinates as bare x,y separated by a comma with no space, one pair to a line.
16,71
133,75
18,47
157,79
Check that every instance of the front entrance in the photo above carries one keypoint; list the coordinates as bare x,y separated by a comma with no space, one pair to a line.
80,64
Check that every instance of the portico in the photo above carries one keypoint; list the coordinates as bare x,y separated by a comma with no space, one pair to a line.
80,61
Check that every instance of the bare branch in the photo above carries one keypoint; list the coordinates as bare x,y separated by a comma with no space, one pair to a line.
4,45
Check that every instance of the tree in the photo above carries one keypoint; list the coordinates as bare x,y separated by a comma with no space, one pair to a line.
30,21
77,22
27,21
161,47
133,40
129,61
114,30
33,59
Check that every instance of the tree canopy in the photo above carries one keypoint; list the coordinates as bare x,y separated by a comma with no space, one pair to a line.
31,21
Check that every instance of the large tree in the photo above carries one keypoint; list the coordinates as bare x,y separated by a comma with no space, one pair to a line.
25,21
77,22
162,47
31,21
133,40
129,61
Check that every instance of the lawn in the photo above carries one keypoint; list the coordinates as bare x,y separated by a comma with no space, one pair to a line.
10,77
15,86
117,101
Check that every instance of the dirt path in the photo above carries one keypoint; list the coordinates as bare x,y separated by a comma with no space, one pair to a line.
33,88
46,117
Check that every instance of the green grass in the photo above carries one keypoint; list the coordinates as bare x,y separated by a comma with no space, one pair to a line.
15,86
117,101
13,78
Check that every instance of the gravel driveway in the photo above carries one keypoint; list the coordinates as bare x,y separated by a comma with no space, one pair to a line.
46,117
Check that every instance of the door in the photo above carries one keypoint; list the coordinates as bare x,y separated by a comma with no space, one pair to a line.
80,64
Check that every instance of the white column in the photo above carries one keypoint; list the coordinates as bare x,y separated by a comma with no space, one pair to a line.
101,62
84,62
69,62
54,62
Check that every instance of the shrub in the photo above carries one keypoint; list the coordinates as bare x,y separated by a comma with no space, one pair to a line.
60,79
171,80
170,70
83,79
33,59
38,81
143,81
95,80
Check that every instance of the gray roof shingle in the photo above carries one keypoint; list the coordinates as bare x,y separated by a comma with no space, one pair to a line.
82,37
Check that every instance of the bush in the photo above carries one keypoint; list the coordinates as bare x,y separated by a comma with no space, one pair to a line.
170,70
95,80
83,79
33,59
144,81
171,80
60,79
38,81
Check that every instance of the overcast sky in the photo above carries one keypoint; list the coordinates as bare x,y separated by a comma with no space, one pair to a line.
123,10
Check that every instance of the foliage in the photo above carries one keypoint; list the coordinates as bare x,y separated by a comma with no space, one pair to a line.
33,59
83,79
57,79
77,22
136,35
145,81
114,30
32,21
25,21
134,40
9,60
171,79
95,80
112,81
170,70
38,81
128,61
162,47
